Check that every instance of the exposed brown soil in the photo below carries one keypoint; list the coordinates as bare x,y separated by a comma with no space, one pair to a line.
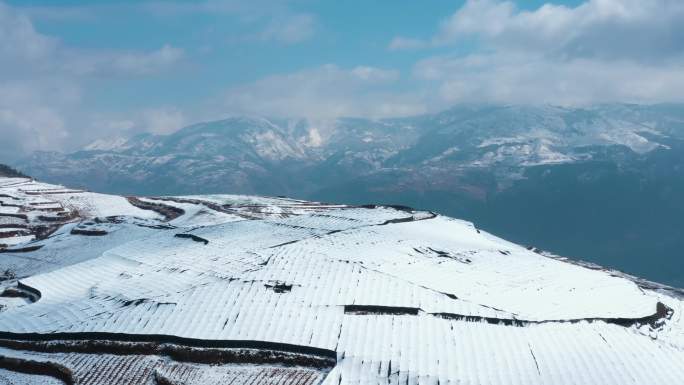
193,237
26,249
11,234
62,216
87,232
168,212
22,291
45,368
178,348
655,320
382,310
19,216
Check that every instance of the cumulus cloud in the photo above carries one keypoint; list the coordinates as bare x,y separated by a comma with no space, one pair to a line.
515,78
42,83
158,120
32,107
598,51
24,50
324,92
612,29
162,120
19,41
33,115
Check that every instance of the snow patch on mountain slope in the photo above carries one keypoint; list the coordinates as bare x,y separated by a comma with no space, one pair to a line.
524,154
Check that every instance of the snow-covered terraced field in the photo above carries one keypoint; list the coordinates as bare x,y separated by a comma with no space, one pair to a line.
131,363
378,294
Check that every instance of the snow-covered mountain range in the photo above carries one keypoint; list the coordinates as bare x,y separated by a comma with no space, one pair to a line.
213,289
259,155
603,183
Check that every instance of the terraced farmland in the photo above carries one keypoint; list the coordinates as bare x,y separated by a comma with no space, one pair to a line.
252,290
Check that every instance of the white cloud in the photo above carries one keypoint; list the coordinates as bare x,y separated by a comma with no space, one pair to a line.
43,82
289,29
147,62
515,78
599,51
324,92
33,115
487,17
119,125
375,75
613,29
111,127
23,50
163,120
405,44
128,63
19,41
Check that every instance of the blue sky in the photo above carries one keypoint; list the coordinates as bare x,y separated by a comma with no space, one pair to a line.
75,71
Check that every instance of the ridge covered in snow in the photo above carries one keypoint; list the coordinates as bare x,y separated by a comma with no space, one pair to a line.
219,288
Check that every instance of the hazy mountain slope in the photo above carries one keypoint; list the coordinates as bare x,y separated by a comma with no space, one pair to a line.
252,154
218,289
473,161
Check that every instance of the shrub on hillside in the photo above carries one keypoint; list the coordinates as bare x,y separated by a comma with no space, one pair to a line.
8,171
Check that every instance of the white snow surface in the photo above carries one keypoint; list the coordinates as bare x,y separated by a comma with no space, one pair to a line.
11,378
101,205
283,270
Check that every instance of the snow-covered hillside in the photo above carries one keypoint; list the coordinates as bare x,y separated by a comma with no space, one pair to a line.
221,288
